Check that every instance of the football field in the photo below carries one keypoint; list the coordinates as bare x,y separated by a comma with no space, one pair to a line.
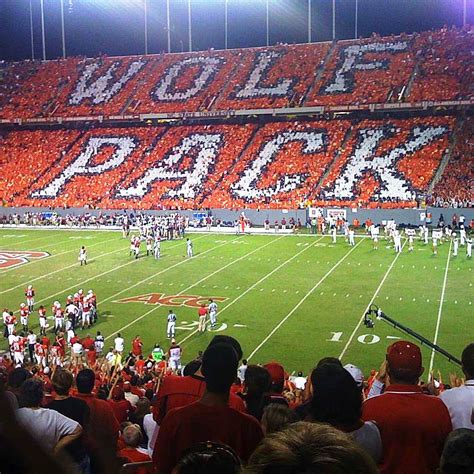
293,299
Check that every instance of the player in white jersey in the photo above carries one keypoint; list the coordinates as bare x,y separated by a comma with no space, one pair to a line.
455,245
374,234
83,256
157,247
410,243
425,234
189,248
99,343
334,234
351,237
212,308
397,241
469,247
462,235
170,330
174,356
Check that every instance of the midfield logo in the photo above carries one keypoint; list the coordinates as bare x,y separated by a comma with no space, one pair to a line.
14,258
192,301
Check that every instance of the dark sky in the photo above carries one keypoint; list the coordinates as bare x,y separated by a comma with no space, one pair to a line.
116,27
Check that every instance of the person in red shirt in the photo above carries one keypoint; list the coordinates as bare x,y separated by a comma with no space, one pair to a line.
137,345
176,392
139,365
217,421
102,431
202,313
132,436
119,405
89,345
61,342
413,426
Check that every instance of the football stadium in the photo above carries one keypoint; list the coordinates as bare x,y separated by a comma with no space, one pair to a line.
236,236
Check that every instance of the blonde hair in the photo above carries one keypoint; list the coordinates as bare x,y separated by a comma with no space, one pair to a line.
309,448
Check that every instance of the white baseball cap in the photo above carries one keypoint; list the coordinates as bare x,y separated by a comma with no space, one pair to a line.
356,374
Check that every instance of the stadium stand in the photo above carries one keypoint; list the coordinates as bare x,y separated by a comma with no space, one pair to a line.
89,397
427,66
454,188
375,163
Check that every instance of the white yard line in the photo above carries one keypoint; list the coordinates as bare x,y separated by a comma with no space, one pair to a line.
191,286
21,242
438,322
302,300
250,288
341,355
50,257
80,283
162,271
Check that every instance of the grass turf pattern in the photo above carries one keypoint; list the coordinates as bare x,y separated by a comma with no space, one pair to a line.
289,298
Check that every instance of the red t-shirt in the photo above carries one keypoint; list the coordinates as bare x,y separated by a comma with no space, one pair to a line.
88,343
104,427
202,311
121,409
137,347
177,392
133,455
413,427
139,364
198,423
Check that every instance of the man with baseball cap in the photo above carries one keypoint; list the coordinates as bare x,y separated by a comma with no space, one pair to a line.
413,425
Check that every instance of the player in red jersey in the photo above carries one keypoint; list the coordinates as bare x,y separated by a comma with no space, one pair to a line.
40,354
24,313
58,317
42,319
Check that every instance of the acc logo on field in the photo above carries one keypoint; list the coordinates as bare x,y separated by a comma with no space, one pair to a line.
14,258
192,301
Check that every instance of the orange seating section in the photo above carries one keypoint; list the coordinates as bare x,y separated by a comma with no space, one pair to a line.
276,165
426,66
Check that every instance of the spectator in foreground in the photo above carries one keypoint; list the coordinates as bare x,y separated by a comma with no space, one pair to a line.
458,453
132,436
51,429
256,385
102,432
337,400
277,417
209,419
74,409
460,400
177,392
208,458
413,426
309,447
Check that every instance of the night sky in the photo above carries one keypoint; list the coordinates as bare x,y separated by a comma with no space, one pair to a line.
116,27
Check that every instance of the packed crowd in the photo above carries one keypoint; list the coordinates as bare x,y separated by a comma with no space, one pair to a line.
220,414
433,65
375,163
454,189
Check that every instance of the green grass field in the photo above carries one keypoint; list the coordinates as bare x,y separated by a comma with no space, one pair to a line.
289,298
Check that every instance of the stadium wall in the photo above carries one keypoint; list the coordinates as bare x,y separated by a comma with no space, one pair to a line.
258,217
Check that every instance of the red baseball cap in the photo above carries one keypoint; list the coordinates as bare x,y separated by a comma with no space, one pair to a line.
405,357
277,372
